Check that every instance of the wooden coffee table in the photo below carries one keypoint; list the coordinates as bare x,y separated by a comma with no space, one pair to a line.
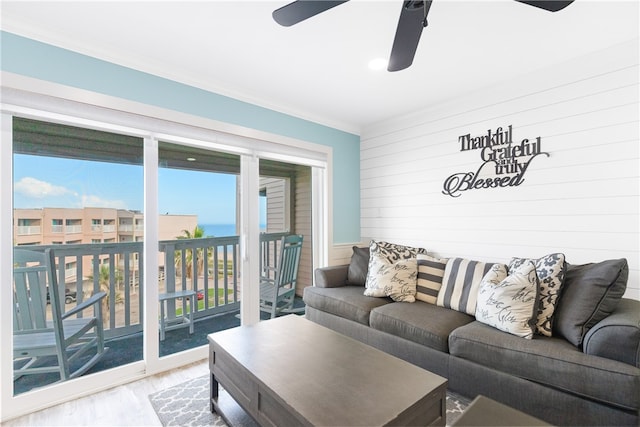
290,371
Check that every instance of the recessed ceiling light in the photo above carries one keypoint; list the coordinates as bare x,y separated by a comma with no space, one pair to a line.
191,159
378,64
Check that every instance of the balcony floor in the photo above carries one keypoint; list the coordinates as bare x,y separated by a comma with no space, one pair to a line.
129,349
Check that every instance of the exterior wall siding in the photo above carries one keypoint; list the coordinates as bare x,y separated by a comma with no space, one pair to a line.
582,200
276,189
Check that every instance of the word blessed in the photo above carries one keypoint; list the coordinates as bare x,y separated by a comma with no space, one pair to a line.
504,163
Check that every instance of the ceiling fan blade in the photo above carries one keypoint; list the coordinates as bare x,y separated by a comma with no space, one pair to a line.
550,5
413,18
300,10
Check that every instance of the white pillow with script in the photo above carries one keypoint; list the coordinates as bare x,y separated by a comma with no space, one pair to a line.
509,302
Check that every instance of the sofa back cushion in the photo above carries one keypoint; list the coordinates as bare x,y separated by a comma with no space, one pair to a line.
358,267
460,283
589,294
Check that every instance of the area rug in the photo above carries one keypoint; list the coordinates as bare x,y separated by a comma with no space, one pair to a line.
187,404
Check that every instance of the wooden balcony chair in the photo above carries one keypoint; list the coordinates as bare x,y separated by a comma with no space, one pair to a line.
65,338
278,285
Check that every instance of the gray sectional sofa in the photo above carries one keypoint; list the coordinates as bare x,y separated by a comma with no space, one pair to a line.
594,383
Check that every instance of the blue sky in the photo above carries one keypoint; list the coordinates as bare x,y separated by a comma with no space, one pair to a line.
41,181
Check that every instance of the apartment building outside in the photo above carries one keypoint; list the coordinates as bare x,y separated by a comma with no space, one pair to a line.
66,226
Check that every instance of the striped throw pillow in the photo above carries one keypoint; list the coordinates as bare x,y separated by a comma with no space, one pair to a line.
460,284
430,272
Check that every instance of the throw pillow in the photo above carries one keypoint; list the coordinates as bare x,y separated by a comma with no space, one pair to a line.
550,270
430,272
358,267
398,280
381,254
590,293
508,302
460,283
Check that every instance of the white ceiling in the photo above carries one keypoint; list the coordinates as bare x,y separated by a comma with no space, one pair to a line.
317,69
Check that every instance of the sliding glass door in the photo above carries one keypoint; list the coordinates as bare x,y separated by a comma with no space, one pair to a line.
159,222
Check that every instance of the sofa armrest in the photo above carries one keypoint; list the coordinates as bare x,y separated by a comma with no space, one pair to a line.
617,336
331,277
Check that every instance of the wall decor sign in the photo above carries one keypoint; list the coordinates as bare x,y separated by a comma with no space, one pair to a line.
503,162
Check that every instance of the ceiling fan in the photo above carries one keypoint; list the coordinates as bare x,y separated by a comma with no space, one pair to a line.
413,18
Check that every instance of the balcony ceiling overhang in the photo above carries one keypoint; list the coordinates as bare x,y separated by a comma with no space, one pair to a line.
39,138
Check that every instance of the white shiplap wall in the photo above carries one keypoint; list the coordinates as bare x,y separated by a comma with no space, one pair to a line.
582,200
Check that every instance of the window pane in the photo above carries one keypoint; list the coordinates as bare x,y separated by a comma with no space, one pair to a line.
199,254
285,193
72,189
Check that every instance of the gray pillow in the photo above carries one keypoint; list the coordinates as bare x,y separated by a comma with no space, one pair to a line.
590,293
358,267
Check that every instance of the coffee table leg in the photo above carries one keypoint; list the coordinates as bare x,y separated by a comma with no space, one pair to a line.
214,393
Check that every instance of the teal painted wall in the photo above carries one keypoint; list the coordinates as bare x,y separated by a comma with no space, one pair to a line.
31,58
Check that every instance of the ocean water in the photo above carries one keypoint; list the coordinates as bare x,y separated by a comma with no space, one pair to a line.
219,230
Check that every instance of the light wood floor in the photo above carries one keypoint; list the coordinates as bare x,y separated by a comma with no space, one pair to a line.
126,405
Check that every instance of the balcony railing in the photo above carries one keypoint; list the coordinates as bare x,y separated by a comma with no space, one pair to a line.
208,266
73,229
26,230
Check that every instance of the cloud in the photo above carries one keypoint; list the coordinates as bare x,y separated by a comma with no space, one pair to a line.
33,188
91,201
36,189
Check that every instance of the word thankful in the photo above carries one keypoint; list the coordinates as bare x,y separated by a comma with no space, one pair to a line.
504,163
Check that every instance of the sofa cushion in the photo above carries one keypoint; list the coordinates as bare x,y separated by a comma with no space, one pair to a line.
550,270
421,322
551,361
358,267
589,294
346,301
382,254
430,273
460,284
508,301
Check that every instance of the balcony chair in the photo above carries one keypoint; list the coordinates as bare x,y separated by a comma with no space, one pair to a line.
278,285
65,337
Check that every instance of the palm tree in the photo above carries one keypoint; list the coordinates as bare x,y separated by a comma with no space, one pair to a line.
197,233
103,281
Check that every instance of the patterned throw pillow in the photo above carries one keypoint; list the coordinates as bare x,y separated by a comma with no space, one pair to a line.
460,283
430,272
381,254
509,302
398,280
550,270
